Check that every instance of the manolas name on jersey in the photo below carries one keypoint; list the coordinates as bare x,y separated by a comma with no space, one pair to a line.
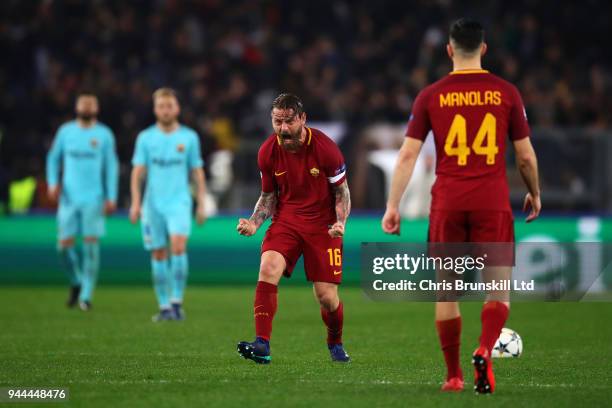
471,113
89,161
470,98
169,159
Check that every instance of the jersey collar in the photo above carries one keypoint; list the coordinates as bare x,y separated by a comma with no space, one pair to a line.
469,71
278,140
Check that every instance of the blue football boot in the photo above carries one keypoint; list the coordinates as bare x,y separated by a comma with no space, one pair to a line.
258,351
163,316
338,354
177,309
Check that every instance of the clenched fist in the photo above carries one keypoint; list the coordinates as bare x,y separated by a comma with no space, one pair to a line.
336,230
246,227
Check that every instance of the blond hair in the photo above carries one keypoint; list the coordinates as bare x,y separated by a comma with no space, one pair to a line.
163,92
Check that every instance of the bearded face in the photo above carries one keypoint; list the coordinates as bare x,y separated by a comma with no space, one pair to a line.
288,126
166,110
87,107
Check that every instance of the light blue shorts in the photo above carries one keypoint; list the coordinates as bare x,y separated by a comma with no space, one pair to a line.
86,220
157,226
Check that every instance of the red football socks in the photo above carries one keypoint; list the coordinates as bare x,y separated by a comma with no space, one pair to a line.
493,318
449,332
333,321
264,308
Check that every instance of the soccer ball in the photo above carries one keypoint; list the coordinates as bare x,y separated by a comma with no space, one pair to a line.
509,344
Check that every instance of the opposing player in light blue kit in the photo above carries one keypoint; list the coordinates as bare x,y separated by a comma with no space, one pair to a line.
84,150
168,153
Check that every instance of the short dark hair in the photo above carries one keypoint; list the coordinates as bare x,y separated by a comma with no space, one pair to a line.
467,34
289,101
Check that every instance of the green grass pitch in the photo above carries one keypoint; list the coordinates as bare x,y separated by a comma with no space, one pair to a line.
115,355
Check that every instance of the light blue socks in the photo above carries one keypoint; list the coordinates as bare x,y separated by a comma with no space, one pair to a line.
161,282
180,271
91,266
70,261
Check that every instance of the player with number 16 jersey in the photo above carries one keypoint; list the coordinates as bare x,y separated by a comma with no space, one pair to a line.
304,189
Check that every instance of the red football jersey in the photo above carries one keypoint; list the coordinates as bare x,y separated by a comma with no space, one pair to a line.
471,114
303,180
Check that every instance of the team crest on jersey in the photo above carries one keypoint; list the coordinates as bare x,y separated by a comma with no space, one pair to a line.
314,172
180,147
94,143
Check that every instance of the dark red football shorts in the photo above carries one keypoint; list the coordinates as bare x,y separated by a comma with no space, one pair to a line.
322,253
490,232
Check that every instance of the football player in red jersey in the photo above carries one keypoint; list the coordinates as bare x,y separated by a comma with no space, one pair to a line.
471,113
304,190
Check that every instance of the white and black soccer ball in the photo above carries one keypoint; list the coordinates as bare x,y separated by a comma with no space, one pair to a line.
509,344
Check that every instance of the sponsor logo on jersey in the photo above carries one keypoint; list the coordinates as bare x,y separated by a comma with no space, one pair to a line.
279,173
337,272
81,154
314,172
167,163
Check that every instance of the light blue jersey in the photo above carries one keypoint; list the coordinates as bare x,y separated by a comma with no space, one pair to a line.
169,159
89,167
89,177
89,161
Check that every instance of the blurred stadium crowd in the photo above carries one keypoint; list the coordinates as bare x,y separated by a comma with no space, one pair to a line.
354,62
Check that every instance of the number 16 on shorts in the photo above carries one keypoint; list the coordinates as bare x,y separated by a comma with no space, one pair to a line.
335,257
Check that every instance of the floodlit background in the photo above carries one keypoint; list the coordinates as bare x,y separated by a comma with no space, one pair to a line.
358,67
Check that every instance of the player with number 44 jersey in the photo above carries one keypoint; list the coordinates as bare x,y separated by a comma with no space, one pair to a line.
472,114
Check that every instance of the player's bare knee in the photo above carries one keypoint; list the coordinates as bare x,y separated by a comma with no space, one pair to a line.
178,244
328,298
66,243
270,270
271,267
329,302
159,254
178,249
446,310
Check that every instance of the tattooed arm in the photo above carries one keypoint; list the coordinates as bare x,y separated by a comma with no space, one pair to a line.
343,208
264,209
